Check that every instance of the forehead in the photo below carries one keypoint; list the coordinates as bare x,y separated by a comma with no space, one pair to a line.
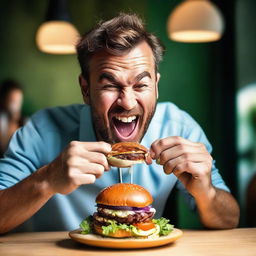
138,58
16,93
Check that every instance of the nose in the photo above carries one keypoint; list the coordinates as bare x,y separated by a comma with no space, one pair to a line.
127,100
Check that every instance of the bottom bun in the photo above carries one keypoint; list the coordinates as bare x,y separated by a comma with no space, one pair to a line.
118,234
122,163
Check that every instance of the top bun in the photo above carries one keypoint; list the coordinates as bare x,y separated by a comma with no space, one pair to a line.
122,147
125,194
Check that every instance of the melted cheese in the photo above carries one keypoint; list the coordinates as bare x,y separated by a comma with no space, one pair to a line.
118,213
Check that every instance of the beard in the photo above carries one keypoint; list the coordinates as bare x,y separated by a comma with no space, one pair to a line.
105,133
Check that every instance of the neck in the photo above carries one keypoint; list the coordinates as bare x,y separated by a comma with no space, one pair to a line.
14,117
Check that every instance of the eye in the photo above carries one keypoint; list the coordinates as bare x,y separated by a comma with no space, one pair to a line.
111,87
140,86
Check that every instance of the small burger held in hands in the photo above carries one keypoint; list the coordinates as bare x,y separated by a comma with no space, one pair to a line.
125,154
124,210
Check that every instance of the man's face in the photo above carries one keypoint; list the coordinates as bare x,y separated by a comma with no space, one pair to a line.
122,93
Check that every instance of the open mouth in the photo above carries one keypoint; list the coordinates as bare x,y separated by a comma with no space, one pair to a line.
125,126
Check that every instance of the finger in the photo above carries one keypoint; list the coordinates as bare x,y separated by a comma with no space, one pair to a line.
148,159
99,158
162,144
87,158
87,168
170,165
176,151
196,170
81,179
95,169
182,168
78,154
99,146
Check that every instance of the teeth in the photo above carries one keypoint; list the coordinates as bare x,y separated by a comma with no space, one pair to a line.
126,119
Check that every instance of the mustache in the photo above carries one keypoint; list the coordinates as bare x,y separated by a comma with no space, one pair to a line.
121,111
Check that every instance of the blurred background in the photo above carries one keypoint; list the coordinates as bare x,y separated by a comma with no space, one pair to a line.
215,82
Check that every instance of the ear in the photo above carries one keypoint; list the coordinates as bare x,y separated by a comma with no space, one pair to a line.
84,89
157,80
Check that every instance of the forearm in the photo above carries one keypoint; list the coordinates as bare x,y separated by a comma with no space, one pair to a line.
218,209
21,201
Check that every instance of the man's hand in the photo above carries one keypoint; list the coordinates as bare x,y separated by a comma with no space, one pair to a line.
190,162
80,163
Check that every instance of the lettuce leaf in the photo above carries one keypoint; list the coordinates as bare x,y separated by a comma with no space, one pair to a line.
114,226
165,227
85,225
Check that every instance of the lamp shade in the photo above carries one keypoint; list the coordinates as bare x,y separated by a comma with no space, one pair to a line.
195,21
57,37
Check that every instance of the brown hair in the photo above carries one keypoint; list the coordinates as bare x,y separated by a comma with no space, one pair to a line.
116,36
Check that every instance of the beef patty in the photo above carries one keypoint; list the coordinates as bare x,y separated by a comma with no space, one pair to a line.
137,217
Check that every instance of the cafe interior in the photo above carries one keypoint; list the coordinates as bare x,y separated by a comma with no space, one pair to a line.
211,76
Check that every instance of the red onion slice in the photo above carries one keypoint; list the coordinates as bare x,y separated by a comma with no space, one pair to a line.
125,208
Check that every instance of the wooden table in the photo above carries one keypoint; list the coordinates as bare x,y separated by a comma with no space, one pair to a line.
234,242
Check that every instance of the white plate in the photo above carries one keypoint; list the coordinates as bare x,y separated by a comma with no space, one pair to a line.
125,243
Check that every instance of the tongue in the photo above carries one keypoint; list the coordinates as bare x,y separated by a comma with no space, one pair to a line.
125,129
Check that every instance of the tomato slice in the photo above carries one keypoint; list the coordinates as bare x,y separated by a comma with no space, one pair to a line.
145,225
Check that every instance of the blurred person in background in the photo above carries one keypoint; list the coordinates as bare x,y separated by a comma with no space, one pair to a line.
11,99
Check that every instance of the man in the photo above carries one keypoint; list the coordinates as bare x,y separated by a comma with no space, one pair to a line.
56,164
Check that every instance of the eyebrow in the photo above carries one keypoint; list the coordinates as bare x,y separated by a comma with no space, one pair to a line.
142,75
111,78
107,76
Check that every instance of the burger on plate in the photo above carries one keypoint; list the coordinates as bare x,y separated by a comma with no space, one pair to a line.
125,154
124,210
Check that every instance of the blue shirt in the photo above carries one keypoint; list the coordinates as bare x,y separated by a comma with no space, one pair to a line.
49,131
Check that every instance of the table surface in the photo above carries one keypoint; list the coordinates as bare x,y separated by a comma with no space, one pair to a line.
193,242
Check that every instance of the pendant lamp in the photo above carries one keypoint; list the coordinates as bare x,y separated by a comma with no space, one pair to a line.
57,35
195,21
